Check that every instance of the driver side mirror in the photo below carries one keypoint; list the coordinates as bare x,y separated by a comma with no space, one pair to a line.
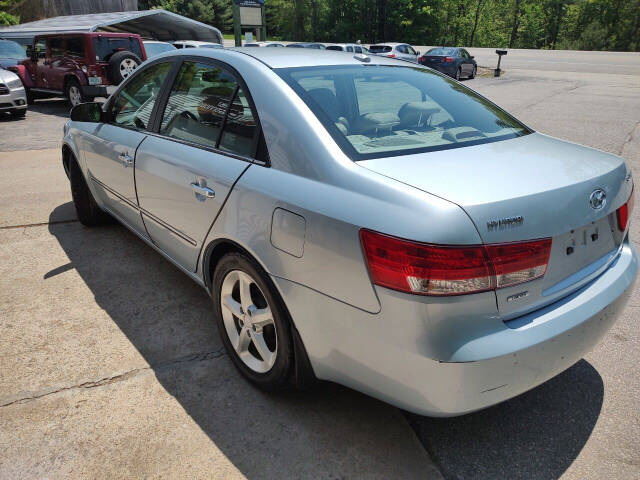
471,57
87,112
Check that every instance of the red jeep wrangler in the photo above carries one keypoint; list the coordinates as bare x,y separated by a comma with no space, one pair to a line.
79,65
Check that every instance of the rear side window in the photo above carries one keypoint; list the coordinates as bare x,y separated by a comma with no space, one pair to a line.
56,47
379,48
104,47
335,47
240,127
134,104
198,103
75,47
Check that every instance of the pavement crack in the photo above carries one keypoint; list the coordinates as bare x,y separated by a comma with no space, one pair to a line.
573,87
42,224
160,366
629,138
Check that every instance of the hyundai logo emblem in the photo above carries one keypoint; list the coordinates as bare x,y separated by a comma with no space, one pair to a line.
598,199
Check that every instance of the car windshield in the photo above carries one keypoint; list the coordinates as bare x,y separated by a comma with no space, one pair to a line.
154,49
442,51
379,48
106,46
377,111
9,49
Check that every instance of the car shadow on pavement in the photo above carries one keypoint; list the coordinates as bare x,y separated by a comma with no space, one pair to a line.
535,435
330,432
51,106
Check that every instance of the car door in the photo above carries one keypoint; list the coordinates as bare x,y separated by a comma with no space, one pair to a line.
412,54
466,64
56,64
205,139
110,149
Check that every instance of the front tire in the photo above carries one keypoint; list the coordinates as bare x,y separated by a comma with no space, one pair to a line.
253,322
88,211
19,113
73,93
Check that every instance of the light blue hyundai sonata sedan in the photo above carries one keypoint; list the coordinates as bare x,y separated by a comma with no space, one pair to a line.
362,220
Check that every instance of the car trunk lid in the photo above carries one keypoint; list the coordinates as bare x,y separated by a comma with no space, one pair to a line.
529,188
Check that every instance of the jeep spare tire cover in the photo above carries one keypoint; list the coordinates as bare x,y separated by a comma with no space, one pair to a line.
122,64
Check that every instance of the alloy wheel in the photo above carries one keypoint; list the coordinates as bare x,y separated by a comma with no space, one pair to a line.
127,66
248,321
75,96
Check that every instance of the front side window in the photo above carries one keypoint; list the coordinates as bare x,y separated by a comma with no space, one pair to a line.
383,110
198,103
133,106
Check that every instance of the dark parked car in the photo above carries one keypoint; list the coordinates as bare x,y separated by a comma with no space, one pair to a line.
79,65
317,46
11,53
453,61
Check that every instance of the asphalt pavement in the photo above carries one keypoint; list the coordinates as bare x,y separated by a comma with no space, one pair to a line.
112,367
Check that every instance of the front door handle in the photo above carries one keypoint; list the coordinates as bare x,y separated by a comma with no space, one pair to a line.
126,159
205,192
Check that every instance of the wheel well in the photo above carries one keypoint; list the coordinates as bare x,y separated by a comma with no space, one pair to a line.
67,79
67,155
303,375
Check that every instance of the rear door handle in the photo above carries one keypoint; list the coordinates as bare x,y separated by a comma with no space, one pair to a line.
206,192
126,159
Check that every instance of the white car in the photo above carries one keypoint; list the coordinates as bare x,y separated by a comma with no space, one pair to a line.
401,51
348,47
195,44
264,44
13,98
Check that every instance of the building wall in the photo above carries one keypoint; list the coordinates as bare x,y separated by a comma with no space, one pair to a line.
31,10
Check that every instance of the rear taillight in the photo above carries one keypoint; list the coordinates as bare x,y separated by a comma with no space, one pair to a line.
426,269
421,59
391,55
624,213
448,59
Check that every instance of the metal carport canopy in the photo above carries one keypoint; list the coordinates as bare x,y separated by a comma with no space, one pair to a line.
157,24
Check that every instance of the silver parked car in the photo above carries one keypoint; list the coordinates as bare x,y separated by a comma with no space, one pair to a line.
362,220
13,98
401,51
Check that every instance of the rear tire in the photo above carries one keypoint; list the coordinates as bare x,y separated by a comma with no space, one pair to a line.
457,77
474,72
238,330
88,211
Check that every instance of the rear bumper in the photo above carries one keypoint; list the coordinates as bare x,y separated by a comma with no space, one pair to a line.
447,69
16,99
417,356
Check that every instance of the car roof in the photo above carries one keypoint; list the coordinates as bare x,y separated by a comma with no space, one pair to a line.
389,44
87,34
291,57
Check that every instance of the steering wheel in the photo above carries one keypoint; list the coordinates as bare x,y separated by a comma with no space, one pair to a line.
189,115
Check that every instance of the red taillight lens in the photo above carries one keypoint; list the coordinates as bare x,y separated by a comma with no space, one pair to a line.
391,55
515,263
420,59
448,59
624,213
427,269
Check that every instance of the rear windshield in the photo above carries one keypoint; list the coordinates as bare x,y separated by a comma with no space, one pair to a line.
104,47
377,111
379,48
442,51
9,49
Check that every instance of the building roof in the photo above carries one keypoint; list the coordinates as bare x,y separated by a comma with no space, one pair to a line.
157,24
